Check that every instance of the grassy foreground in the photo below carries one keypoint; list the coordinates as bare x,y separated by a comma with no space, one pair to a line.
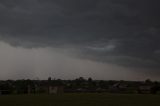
81,100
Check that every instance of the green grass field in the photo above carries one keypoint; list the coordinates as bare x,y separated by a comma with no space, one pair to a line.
81,100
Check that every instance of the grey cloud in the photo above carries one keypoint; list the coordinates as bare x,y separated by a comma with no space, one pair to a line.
98,29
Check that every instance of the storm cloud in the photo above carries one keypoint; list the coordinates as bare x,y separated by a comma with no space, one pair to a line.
120,32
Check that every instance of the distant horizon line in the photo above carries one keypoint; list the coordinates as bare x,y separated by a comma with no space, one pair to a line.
40,79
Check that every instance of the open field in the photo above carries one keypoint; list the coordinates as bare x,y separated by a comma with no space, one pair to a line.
81,100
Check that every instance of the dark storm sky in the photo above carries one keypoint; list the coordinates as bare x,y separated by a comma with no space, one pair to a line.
124,33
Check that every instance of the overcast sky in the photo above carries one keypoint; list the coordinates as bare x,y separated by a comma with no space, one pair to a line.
103,39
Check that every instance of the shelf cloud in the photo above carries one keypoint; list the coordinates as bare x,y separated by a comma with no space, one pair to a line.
118,32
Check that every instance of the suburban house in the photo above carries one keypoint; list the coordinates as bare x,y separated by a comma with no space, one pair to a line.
55,89
118,87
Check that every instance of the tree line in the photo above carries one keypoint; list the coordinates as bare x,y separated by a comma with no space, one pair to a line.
78,85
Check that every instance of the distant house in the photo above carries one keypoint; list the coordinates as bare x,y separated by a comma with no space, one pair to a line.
118,88
56,89
144,89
